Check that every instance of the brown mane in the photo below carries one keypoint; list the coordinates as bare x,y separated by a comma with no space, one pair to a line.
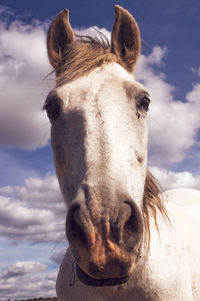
153,204
82,56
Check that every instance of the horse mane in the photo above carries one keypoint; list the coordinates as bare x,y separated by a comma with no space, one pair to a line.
82,56
153,204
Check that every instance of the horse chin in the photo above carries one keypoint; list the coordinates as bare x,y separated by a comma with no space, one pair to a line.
90,281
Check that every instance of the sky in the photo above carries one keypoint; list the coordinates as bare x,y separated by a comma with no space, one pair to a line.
32,212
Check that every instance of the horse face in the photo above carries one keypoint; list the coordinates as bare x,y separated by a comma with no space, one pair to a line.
99,142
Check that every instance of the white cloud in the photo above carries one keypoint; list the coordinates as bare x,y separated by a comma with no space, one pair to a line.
23,85
34,212
173,124
52,276
22,268
58,256
196,71
170,179
19,223
27,279
39,192
26,287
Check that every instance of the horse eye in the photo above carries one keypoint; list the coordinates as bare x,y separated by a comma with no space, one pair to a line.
52,107
145,101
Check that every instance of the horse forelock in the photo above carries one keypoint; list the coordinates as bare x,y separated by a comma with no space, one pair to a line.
84,55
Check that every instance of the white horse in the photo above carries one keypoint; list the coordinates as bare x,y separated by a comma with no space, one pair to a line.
127,241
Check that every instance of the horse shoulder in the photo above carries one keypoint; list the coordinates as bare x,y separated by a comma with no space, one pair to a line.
173,263
187,203
183,206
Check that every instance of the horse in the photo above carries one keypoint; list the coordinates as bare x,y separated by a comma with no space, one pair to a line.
127,239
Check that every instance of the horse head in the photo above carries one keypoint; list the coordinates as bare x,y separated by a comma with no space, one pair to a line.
98,114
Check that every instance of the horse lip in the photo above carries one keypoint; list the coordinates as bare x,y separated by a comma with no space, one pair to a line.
88,280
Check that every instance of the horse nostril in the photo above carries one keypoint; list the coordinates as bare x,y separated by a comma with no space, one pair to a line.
131,225
78,233
75,226
132,228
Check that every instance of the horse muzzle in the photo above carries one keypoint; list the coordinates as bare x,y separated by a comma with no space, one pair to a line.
105,238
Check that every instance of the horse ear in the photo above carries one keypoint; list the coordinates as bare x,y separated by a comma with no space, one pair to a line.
125,38
59,35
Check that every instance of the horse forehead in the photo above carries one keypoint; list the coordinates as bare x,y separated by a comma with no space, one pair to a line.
111,77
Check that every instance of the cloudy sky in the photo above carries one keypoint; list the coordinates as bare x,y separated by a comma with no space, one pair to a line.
32,213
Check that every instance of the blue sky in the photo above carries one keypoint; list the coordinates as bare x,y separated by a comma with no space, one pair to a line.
32,213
